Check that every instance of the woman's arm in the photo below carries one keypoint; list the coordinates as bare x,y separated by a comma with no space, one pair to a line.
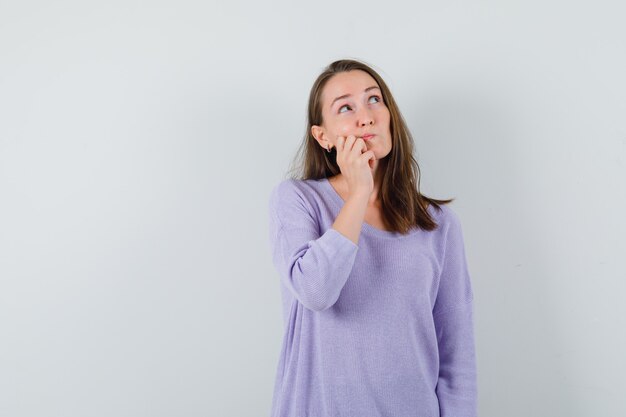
453,317
313,267
350,219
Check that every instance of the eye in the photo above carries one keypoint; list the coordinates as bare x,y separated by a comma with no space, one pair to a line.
345,105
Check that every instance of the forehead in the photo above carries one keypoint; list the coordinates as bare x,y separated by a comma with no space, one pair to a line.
348,82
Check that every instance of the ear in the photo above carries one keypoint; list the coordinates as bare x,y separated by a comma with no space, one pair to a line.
319,133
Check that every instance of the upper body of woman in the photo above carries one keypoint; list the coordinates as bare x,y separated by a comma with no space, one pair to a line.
377,297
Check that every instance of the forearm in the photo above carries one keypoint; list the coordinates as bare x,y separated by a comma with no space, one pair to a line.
350,219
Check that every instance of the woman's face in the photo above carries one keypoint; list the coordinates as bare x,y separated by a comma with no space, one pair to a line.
351,107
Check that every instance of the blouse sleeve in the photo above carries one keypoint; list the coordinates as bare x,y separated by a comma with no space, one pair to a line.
313,266
453,317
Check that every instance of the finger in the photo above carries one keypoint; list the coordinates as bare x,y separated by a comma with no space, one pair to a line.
371,163
349,143
338,144
359,146
367,156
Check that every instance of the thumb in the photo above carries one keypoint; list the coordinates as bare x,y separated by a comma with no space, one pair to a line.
372,162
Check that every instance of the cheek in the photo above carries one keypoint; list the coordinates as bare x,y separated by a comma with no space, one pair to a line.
387,119
384,114
344,129
338,126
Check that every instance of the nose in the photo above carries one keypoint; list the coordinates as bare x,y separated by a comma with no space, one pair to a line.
366,119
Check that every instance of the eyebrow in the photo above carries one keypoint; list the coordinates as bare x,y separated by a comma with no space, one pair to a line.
348,95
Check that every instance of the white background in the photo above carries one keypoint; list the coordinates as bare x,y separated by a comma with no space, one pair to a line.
139,142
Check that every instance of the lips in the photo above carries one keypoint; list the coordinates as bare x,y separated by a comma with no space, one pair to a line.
368,136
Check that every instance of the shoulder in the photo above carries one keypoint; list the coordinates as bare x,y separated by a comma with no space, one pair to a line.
444,214
446,218
288,189
283,187
293,191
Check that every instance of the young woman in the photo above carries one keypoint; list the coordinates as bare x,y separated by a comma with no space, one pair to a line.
377,297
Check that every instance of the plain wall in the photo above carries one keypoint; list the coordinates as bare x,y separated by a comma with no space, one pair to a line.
139,142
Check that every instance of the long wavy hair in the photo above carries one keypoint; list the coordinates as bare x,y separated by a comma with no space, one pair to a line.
403,206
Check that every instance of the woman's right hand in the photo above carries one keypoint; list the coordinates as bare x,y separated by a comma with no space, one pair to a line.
355,163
